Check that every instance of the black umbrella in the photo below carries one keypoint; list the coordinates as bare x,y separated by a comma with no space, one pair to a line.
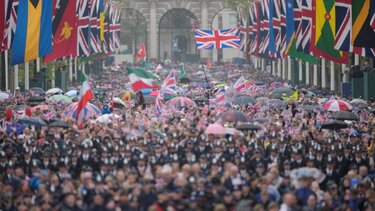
247,127
38,90
334,125
32,121
36,99
234,116
344,115
59,124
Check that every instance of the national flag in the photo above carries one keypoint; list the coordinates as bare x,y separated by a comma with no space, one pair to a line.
169,85
85,95
158,105
324,32
306,26
283,43
83,28
244,29
254,40
363,23
141,54
275,28
101,17
264,30
343,39
34,29
239,85
114,26
64,31
217,39
182,72
11,8
3,13
294,27
141,79
293,97
95,42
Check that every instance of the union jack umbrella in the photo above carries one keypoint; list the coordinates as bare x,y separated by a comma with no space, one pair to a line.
337,105
216,39
89,111
180,102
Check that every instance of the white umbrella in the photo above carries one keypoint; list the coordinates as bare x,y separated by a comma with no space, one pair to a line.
4,96
359,103
315,173
107,118
72,93
119,101
54,91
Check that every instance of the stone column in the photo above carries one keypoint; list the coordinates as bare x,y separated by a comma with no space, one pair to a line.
38,64
75,69
274,68
70,69
153,32
324,78
53,82
6,70
315,75
289,68
279,72
333,77
284,70
27,76
307,73
356,59
204,24
300,68
15,76
345,72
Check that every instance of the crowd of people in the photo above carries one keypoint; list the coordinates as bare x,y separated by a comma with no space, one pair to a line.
143,162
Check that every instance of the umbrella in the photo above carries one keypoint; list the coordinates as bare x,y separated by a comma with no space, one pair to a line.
344,115
54,91
107,118
234,116
59,124
90,110
180,102
215,129
276,103
37,90
40,107
308,107
334,125
72,93
154,93
118,102
247,127
261,120
19,108
281,92
36,99
337,105
61,98
315,173
276,85
360,103
259,83
3,96
32,121
244,100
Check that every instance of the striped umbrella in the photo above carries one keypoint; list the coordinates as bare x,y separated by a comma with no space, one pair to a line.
89,111
337,105
180,102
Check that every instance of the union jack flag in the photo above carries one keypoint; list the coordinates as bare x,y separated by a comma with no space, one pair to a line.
216,39
283,44
344,30
372,15
298,21
83,27
306,23
95,43
244,30
275,17
169,85
240,84
264,29
10,23
114,27
254,39
158,105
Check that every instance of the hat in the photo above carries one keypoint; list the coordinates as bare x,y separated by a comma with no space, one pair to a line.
286,162
260,165
227,192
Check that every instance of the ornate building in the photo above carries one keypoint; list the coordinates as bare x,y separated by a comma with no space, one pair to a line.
168,26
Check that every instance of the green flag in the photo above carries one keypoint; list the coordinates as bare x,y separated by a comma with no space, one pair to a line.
182,72
301,55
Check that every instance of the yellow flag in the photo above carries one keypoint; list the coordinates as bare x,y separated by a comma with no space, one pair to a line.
293,97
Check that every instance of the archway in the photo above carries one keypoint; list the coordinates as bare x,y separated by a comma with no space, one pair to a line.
176,38
225,19
134,31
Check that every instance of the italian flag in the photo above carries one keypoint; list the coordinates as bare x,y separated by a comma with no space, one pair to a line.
85,94
141,79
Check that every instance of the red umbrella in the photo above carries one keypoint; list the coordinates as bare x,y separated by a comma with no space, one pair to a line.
337,105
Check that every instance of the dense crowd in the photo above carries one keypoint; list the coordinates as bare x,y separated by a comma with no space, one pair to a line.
140,162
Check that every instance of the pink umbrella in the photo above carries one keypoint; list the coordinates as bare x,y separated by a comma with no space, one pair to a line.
337,105
155,93
215,129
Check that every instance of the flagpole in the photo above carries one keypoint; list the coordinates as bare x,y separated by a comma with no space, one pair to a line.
6,70
333,81
324,79
27,76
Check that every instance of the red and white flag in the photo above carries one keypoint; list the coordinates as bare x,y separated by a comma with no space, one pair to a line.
85,95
